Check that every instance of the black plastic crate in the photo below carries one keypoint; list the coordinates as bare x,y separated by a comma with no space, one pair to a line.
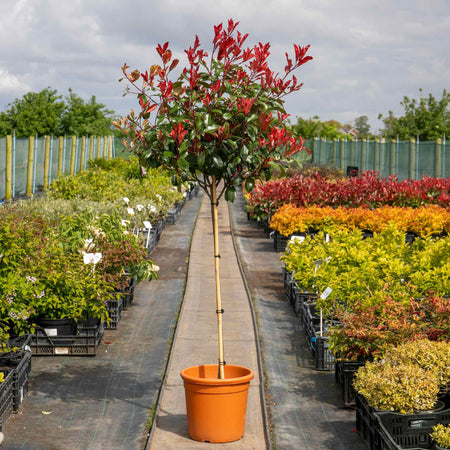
287,284
85,343
408,431
114,308
20,363
299,297
365,422
172,216
344,374
127,293
307,322
6,396
324,358
280,242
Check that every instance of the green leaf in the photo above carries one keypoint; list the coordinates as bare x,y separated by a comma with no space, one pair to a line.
201,159
217,160
230,194
211,128
249,184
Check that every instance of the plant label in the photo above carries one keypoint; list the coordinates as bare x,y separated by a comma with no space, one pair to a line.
51,331
61,350
92,258
147,225
326,293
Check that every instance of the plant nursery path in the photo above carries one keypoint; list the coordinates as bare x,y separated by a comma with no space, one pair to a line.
196,339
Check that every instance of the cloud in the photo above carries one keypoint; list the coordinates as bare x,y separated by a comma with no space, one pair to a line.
11,84
367,55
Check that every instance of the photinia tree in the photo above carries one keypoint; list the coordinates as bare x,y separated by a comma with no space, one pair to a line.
220,122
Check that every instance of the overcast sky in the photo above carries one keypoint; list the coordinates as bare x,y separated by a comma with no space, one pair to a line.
367,54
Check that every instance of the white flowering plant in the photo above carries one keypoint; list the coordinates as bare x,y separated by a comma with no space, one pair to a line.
57,285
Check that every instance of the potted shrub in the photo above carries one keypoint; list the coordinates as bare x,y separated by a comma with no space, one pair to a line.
441,436
220,123
408,379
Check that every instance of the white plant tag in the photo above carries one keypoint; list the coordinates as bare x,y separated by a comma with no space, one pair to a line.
147,225
91,258
61,350
299,239
51,331
326,293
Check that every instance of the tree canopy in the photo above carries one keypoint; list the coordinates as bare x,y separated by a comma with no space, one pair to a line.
48,113
426,119
314,127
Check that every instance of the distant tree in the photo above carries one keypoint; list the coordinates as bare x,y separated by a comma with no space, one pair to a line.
35,113
5,125
362,126
46,113
314,127
86,118
426,118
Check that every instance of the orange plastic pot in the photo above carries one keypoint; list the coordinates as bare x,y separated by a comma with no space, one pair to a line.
216,408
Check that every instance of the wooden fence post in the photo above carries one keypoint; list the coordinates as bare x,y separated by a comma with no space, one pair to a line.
99,147
91,148
9,168
30,166
72,155
110,148
83,151
46,162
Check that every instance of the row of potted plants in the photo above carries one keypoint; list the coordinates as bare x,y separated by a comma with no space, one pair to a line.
64,255
385,311
357,269
70,260
368,190
424,221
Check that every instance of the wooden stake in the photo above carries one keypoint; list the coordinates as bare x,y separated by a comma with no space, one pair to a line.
9,167
221,374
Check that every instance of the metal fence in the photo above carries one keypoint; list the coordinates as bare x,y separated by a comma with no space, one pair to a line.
28,165
406,159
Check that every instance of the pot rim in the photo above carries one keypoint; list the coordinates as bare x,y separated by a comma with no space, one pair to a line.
216,381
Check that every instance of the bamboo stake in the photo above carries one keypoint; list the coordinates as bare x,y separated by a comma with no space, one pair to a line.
221,374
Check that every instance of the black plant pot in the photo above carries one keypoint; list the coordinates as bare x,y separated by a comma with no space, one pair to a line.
56,327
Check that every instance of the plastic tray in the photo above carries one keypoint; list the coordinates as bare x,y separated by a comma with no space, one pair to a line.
85,343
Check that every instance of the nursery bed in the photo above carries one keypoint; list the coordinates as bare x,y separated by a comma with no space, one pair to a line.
104,401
